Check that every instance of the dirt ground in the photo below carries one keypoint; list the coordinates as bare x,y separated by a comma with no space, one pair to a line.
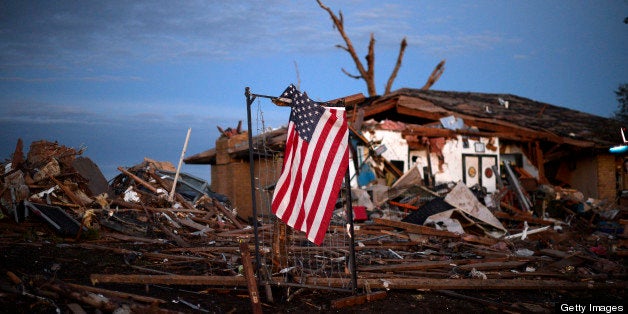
45,265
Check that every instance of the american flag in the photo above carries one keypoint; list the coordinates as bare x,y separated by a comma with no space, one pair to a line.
315,161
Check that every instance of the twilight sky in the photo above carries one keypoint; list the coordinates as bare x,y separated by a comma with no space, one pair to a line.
126,79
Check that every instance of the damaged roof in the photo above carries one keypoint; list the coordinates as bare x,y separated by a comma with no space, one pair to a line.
499,113
499,109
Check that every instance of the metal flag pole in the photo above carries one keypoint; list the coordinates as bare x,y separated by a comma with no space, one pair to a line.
250,98
249,101
352,262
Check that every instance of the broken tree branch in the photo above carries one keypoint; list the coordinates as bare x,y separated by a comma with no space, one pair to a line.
393,75
364,73
436,73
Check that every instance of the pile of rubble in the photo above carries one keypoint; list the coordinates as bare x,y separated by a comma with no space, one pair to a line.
179,232
66,196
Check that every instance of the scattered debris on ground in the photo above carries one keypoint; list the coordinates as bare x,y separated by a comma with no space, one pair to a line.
73,242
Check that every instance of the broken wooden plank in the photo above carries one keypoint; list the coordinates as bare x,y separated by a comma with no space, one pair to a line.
492,265
247,231
358,299
514,209
167,185
396,234
479,240
175,237
279,246
249,275
194,225
231,281
117,294
95,300
71,195
124,237
389,166
462,284
139,180
554,253
211,249
414,228
520,217
229,214
403,205
408,266
161,256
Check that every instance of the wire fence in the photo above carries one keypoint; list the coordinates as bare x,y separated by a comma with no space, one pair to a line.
286,256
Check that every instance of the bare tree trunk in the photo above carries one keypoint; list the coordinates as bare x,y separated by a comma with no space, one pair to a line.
365,74
368,73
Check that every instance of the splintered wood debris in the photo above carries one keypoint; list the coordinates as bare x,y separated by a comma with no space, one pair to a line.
198,240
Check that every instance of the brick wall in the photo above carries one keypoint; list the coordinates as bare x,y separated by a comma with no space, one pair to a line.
231,176
606,177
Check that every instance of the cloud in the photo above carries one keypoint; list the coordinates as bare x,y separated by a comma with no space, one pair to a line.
115,115
116,33
65,35
443,44
98,78
46,113
381,11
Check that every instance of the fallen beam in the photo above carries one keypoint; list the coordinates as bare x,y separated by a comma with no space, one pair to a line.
249,275
229,214
139,180
409,266
358,299
492,265
414,228
520,217
117,294
461,284
232,281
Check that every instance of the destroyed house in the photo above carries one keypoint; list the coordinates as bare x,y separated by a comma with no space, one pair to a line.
467,136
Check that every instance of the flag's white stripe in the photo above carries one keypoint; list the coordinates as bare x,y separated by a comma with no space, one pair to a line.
299,207
314,192
297,169
311,199
334,173
286,175
282,179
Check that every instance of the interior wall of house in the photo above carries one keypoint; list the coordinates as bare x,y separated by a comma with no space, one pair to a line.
526,163
396,146
451,159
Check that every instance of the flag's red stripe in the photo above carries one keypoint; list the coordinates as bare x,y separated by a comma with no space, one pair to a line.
311,177
297,196
325,205
320,236
317,142
325,165
283,185
291,196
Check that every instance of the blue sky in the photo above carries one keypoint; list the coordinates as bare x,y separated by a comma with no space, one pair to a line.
126,79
